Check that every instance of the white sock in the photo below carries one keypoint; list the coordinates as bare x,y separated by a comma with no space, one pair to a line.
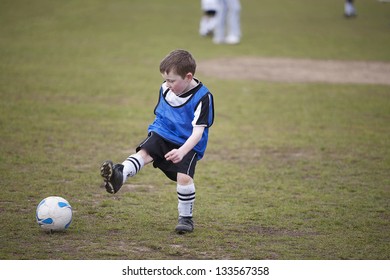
186,198
132,165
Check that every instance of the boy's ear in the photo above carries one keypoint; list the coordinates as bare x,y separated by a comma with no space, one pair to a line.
189,75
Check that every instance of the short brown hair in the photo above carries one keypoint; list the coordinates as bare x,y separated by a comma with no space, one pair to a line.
179,61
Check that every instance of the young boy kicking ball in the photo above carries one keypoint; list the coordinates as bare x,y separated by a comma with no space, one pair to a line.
176,139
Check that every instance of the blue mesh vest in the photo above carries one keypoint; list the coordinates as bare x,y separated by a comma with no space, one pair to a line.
174,124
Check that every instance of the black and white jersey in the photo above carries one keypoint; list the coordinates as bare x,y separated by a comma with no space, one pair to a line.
201,114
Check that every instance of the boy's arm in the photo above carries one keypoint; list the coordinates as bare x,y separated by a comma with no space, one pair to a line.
176,155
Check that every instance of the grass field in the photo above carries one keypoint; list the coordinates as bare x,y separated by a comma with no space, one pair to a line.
292,170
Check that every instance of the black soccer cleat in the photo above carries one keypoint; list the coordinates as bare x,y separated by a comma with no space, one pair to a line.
185,225
113,176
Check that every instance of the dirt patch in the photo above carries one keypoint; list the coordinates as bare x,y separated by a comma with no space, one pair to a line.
280,232
137,188
297,70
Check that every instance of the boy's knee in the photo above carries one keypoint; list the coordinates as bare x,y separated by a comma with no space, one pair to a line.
184,179
145,155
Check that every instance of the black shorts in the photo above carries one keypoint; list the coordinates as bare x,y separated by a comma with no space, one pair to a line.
157,147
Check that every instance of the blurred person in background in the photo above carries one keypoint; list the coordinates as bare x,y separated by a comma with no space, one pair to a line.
349,9
208,19
228,28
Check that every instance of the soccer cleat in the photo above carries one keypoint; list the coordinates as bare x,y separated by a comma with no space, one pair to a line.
113,177
185,224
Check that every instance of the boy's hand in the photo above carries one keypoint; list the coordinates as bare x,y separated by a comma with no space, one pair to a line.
175,155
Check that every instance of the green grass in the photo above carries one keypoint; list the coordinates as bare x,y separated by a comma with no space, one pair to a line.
292,171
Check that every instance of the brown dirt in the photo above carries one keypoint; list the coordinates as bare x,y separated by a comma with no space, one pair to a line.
297,70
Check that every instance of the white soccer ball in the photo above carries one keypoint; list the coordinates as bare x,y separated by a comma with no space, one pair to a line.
54,213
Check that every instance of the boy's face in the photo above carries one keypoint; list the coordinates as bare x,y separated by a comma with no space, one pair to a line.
176,83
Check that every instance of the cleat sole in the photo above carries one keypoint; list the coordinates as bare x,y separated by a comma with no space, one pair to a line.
106,171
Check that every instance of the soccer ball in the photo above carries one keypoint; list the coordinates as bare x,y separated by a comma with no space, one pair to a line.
54,213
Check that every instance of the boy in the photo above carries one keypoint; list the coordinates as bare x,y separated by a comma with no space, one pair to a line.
177,138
